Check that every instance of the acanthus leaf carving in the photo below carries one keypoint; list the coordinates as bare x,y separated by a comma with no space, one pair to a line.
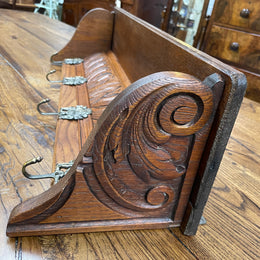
150,131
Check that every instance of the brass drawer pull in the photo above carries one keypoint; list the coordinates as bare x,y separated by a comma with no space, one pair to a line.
234,46
244,13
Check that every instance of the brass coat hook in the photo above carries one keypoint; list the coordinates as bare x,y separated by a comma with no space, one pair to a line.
52,81
70,61
53,62
73,81
69,113
56,175
43,113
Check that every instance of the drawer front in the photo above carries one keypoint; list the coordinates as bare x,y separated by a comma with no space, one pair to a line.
253,85
128,2
234,46
241,13
70,13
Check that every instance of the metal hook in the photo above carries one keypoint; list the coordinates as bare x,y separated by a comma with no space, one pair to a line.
56,175
53,62
43,113
72,81
70,61
69,113
52,81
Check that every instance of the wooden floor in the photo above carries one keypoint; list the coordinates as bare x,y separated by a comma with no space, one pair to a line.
232,212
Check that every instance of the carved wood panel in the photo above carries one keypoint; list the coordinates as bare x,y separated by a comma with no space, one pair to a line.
143,147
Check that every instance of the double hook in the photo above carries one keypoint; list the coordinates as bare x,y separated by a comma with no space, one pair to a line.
56,175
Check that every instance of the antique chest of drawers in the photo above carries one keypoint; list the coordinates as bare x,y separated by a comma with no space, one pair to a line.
233,36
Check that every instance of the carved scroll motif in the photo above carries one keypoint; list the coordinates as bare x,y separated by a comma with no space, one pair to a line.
143,147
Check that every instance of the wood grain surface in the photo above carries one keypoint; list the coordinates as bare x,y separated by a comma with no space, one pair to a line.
232,213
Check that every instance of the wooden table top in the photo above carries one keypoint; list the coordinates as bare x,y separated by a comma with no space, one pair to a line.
232,212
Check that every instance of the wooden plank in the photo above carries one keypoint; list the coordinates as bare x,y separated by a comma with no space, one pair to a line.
66,130
157,244
34,41
156,51
231,224
85,125
22,134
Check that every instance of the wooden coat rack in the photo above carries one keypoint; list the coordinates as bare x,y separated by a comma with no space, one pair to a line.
146,153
